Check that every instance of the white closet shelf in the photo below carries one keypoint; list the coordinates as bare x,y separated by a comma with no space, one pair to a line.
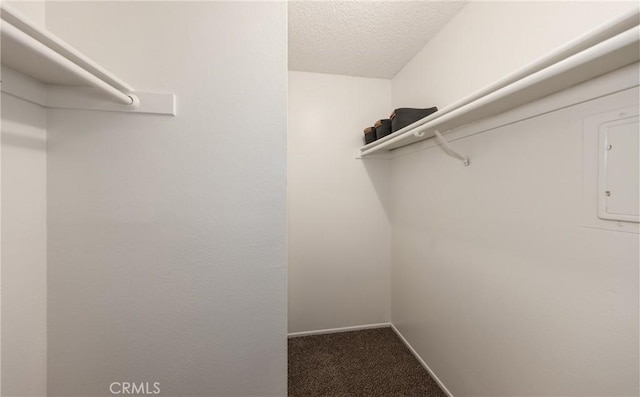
609,47
37,54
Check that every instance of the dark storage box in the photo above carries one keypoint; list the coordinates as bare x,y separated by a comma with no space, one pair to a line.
369,135
383,128
402,117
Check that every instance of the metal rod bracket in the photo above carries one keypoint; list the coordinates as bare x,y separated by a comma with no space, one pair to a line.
449,150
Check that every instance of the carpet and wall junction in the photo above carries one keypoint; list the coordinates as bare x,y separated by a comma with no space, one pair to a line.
369,363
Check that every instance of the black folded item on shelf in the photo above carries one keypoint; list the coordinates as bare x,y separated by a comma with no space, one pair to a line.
402,117
369,135
383,128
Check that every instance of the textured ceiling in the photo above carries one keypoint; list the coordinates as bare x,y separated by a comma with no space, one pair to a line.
362,38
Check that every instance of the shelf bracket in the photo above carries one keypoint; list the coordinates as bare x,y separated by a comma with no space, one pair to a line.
449,150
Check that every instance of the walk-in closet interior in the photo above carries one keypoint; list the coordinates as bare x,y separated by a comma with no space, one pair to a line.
190,206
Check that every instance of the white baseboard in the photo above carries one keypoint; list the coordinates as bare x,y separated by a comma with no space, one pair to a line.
424,364
373,326
336,330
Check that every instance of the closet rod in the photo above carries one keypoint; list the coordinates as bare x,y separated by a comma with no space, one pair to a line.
624,45
34,45
31,28
583,42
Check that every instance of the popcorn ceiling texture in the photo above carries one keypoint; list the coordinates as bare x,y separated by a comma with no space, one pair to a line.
362,38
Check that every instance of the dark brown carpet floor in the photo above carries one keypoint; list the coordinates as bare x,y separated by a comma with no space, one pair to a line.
367,363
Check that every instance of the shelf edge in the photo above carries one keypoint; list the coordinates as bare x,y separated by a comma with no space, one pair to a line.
21,86
85,98
576,46
32,29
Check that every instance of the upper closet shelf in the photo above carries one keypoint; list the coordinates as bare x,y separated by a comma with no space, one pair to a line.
67,77
602,50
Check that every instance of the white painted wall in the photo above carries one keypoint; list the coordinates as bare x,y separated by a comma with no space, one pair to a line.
339,236
24,248
34,10
496,283
167,249
23,368
487,40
